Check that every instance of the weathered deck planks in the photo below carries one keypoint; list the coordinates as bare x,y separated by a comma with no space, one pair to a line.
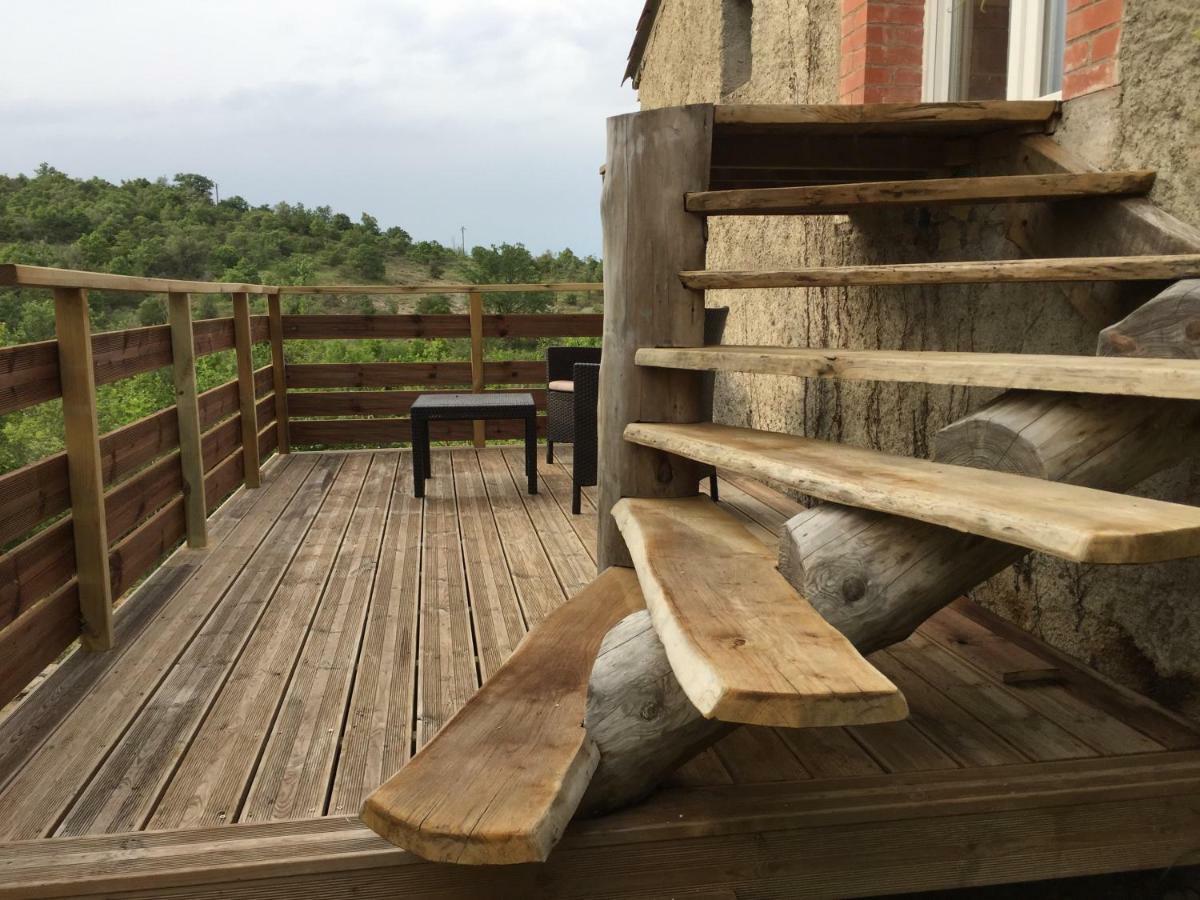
356,616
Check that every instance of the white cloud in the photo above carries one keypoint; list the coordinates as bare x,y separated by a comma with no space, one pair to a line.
431,115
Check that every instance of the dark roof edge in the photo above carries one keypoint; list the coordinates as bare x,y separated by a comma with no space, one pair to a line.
641,37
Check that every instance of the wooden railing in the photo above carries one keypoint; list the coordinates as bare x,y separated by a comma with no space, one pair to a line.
85,525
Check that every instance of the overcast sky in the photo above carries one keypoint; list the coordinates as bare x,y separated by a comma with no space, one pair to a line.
429,114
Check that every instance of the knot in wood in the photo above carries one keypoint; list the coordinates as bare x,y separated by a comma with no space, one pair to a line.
649,711
662,472
854,588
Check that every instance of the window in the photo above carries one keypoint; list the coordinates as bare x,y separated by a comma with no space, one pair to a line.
737,57
993,49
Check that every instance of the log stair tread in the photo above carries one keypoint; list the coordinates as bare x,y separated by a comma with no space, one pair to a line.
499,783
1065,520
744,646
844,198
1130,376
1098,268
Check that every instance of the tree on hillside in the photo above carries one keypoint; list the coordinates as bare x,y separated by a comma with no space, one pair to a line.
508,264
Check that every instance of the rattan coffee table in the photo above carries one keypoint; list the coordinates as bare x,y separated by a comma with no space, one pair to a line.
446,407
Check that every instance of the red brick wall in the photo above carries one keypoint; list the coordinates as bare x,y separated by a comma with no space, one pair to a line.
881,51
1093,33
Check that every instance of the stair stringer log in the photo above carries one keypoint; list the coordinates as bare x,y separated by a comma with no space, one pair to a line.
876,576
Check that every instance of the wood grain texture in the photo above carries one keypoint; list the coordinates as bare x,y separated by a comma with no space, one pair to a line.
187,411
278,371
1168,378
843,198
1167,326
1102,268
500,782
40,276
566,287
872,118
245,379
1073,522
386,375
654,158
743,644
419,325
82,441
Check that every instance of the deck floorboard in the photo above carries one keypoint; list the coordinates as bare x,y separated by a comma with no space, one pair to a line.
336,623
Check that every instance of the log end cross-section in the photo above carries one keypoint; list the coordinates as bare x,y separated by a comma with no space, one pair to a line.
744,646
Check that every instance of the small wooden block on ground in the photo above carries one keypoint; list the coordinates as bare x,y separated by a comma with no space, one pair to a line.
1066,520
501,781
743,644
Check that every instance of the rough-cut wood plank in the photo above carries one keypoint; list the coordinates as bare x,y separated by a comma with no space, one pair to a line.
187,416
293,778
743,644
387,375
842,198
82,441
36,639
1074,522
654,157
502,779
378,736
1172,378
1099,268
120,794
568,287
40,276
561,545
328,327
212,777
395,431
496,615
245,379
36,795
368,403
963,117
446,670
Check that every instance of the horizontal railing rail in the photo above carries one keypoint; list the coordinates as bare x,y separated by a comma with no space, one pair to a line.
85,525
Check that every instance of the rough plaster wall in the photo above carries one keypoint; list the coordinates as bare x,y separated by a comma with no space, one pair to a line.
1135,623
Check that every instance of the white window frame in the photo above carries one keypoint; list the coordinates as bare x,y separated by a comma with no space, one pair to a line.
1026,24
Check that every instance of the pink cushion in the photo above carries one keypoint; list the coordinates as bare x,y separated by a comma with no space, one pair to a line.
568,386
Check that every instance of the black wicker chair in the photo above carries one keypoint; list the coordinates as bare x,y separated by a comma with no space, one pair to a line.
586,382
560,393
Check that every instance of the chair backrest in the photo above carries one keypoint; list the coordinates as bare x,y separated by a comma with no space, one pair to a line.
715,318
559,361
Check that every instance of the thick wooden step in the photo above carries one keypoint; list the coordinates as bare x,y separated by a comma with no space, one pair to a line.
1172,378
500,781
945,119
743,644
1098,268
1065,520
845,198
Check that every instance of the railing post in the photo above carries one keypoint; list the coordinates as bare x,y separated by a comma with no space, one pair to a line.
187,408
245,372
476,307
78,379
278,373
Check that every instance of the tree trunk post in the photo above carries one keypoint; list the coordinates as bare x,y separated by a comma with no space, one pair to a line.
654,159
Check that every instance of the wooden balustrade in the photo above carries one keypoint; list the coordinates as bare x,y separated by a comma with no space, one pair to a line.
85,525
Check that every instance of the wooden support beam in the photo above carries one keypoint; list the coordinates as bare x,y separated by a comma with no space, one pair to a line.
1072,522
191,456
278,373
82,436
881,118
845,198
475,300
744,646
1170,378
654,158
1085,268
245,372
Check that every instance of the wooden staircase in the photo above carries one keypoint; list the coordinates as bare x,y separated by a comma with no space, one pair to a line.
743,644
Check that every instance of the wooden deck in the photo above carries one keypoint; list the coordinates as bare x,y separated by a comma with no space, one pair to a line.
335,623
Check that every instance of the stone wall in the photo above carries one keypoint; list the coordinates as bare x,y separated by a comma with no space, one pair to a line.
1139,624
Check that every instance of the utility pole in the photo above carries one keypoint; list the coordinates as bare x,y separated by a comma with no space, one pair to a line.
463,229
